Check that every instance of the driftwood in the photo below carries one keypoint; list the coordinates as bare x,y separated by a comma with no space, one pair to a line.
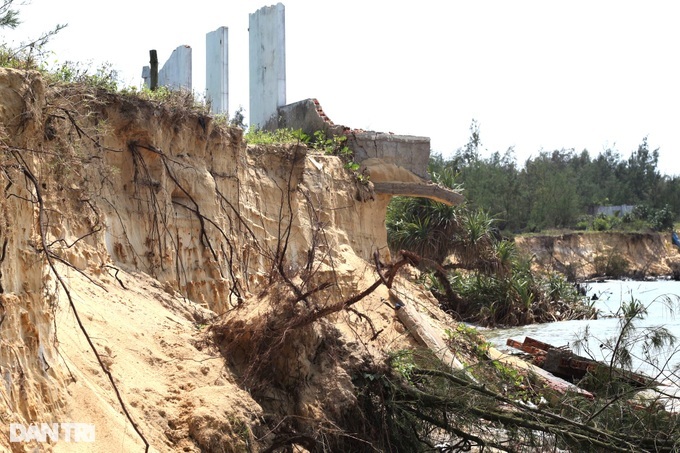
563,363
422,332
551,381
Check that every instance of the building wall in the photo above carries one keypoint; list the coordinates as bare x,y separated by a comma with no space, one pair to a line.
614,210
217,70
406,151
267,36
176,72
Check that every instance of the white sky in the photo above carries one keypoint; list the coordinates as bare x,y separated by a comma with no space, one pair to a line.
534,74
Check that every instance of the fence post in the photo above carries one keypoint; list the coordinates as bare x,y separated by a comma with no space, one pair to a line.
154,70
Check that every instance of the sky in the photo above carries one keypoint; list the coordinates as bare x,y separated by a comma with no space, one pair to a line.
535,75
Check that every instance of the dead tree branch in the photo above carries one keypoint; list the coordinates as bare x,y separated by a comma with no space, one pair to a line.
334,308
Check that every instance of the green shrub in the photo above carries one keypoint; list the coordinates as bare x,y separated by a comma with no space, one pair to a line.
601,224
641,212
104,77
583,224
662,219
520,297
257,136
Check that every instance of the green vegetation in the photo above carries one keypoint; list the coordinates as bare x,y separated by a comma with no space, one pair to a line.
560,189
9,17
425,226
104,78
418,404
518,298
612,265
33,55
28,55
481,278
634,344
333,145
477,275
465,337
414,402
641,218
436,406
257,136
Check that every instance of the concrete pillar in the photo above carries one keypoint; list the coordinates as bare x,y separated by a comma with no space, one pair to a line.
146,76
267,39
176,72
217,70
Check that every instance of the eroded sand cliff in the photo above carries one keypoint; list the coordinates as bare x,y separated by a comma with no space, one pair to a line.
217,282
158,231
586,255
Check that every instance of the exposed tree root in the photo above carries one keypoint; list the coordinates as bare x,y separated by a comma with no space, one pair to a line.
42,222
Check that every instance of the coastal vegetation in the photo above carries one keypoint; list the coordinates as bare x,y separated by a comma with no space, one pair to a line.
562,188
477,274
421,405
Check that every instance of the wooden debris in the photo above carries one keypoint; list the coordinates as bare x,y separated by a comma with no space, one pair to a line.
551,381
423,333
562,362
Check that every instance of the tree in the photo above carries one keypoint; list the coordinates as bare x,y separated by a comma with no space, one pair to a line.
642,176
605,173
469,154
29,54
418,401
558,188
424,226
493,185
9,18
551,191
669,192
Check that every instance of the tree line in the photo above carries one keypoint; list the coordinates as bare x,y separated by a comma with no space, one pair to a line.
561,188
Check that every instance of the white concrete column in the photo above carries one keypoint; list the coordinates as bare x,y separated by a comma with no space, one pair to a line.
176,72
146,76
217,70
267,63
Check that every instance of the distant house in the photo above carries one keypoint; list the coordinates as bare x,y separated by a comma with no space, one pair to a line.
616,211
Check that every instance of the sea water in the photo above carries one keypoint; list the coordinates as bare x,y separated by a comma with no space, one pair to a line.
662,302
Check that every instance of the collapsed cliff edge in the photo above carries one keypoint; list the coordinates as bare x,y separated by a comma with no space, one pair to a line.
179,290
583,256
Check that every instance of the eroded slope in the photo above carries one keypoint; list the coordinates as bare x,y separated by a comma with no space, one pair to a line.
158,232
